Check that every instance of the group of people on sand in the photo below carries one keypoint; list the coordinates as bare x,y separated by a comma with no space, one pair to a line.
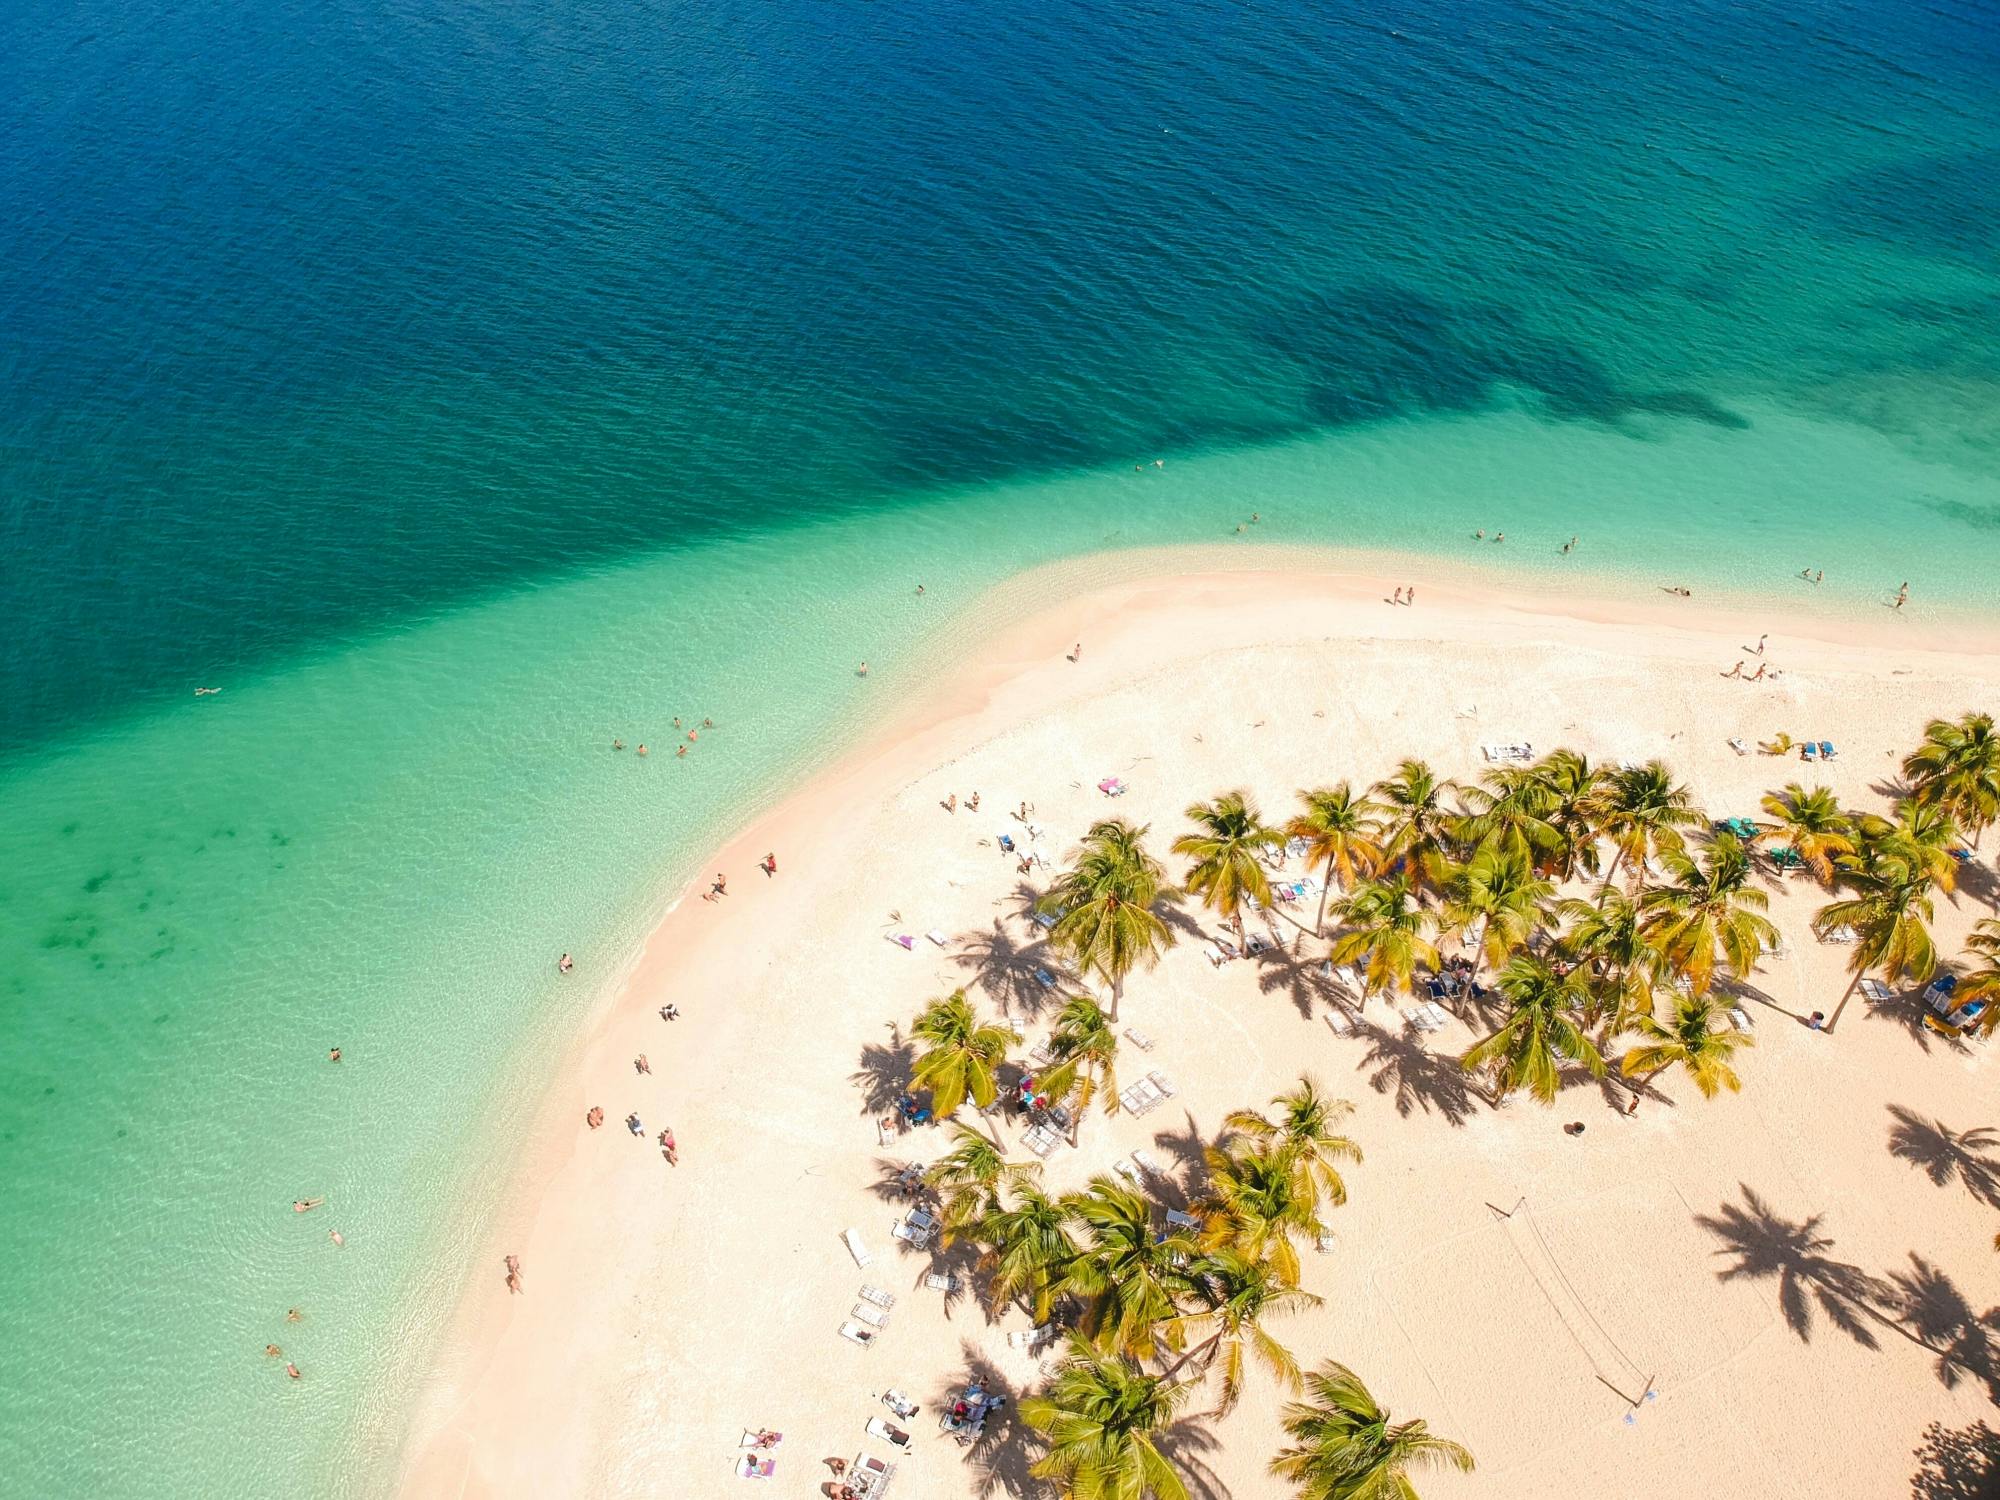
1762,666
950,803
1405,595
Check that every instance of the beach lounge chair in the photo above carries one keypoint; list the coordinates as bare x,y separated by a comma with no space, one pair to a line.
1179,1220
1130,1173
1338,1023
903,940
1147,1165
908,1235
1041,1054
938,937
900,1404
873,1316
1041,1141
869,1476
1876,990
1006,842
854,1333
1045,979
880,1298
1111,786
1941,1026
752,1438
751,1467
942,1281
1808,751
1741,1018
894,1436
1838,935
1163,1083
854,1246
1826,751
1029,1338
1046,920
1324,1244
1138,1039
1739,746
1215,956
1256,943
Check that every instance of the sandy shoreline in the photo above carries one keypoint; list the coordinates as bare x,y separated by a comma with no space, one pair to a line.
667,1308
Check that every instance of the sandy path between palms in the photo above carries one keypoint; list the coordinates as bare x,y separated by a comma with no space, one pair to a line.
667,1309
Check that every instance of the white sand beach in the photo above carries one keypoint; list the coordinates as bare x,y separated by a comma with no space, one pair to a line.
1518,1287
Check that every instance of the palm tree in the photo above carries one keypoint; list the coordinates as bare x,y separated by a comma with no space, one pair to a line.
1104,906
1542,1031
1102,1418
1346,1448
1696,1039
1233,1297
960,1056
1131,1276
1029,1249
1226,870
1605,935
1957,768
1708,911
1813,824
971,1175
1644,813
1085,1044
1382,930
1920,838
1510,809
1339,832
1498,892
1888,912
1983,982
1258,1200
1418,831
1305,1128
1576,793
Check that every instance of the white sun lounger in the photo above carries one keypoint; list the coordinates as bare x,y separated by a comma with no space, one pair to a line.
1338,1023
895,1437
1741,1018
1146,1164
1138,1039
1031,1338
1163,1083
1045,979
1041,1141
1739,747
1215,956
854,1333
1126,1170
1838,935
1324,1244
1042,1054
1180,1220
1875,989
880,1298
942,1281
910,1234
936,935
873,1316
854,1246
1045,919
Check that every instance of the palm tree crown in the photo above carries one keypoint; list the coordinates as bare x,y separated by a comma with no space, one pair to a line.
971,1175
1418,831
1085,1044
1344,1447
1131,1276
961,1054
1382,929
1498,894
1957,768
1696,1038
1102,1418
1542,1031
1259,1199
1233,1296
1708,912
1104,905
1226,871
1305,1127
1645,810
1338,829
1813,824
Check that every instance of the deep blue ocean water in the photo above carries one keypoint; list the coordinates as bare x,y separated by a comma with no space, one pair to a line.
452,384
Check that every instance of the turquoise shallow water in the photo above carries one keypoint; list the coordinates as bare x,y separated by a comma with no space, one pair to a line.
458,391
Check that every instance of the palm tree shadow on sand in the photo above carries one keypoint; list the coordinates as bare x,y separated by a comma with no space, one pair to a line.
999,1461
1416,1077
1004,966
1937,1315
1957,1464
1762,1246
1305,981
884,1074
1187,1175
1969,1157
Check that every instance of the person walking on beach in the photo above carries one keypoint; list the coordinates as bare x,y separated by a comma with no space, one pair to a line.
640,1065
770,864
1077,654
721,884
670,1012
1397,597
951,803
669,1148
1758,675
514,1274
1735,671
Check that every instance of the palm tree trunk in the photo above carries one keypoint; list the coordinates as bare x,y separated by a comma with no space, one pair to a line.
1117,993
1617,859
1175,1368
1852,985
1325,890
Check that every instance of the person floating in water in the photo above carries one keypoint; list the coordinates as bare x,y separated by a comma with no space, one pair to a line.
565,964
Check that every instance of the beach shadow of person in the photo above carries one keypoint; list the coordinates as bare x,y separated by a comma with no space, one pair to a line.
1935,1313
1418,1079
1305,981
1004,969
883,1076
1945,1155
1960,1463
1763,1246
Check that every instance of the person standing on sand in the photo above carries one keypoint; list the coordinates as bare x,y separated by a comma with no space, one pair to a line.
640,1065
1735,671
514,1275
973,802
770,864
721,884
1077,654
1397,597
